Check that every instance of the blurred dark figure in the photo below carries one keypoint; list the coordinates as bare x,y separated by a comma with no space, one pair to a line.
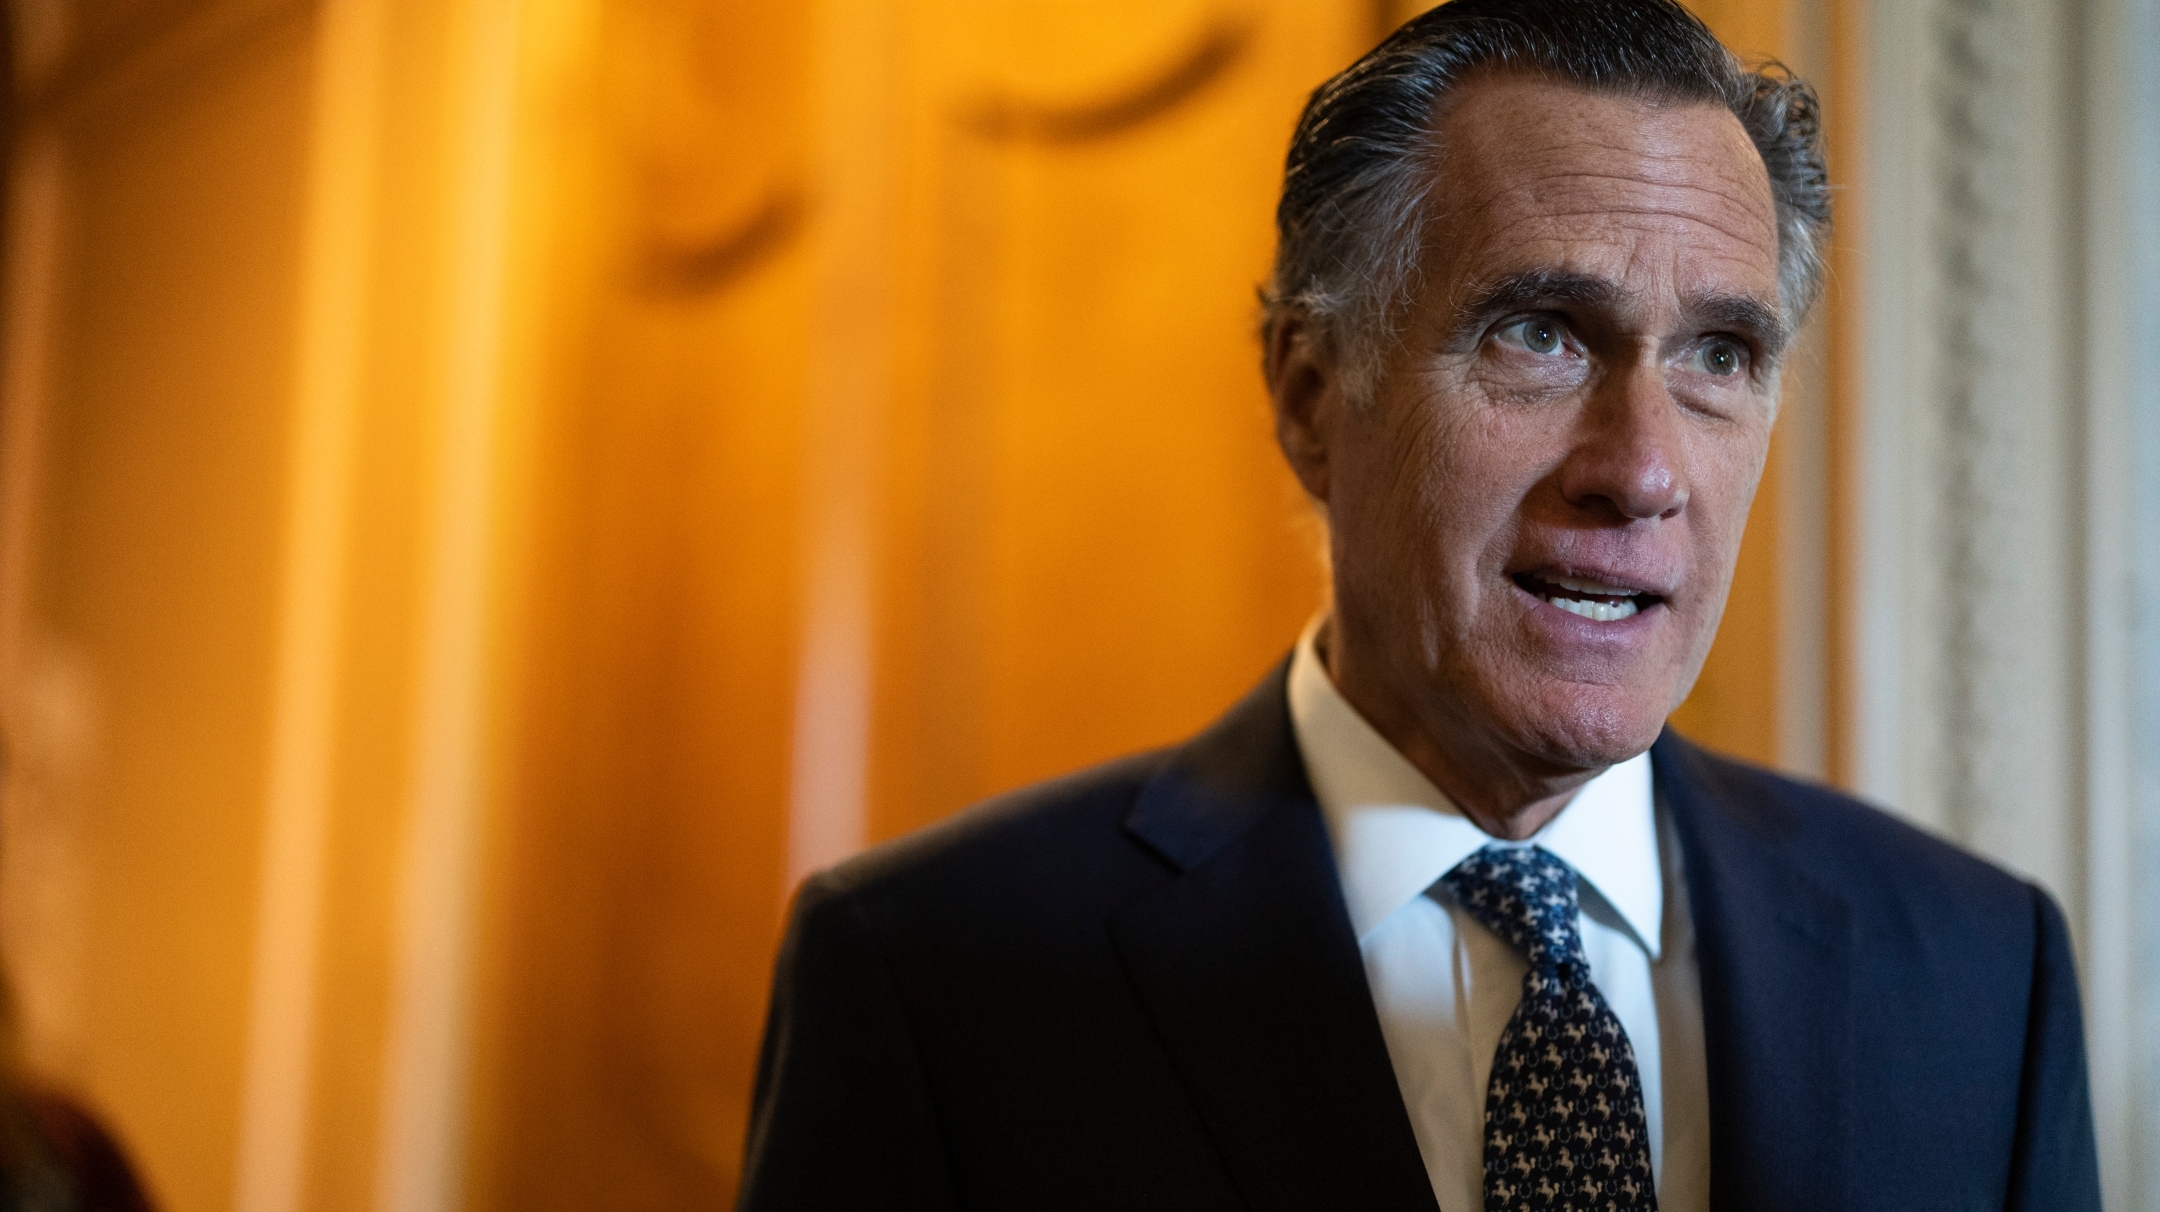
54,1154
56,1157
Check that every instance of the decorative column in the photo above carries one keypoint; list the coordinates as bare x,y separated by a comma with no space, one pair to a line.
2001,551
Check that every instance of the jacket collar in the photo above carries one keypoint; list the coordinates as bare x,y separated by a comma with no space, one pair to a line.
1226,780
1246,962
1775,951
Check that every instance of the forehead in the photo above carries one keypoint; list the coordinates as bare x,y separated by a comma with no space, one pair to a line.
1542,174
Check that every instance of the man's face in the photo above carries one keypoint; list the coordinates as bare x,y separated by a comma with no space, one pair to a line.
1535,518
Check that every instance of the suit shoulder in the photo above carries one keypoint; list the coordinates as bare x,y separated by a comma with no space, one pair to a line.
1848,843
1050,830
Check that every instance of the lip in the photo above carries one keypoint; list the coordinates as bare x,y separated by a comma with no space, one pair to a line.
1567,631
1637,582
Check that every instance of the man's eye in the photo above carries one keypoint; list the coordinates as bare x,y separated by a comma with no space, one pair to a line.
1721,357
1538,334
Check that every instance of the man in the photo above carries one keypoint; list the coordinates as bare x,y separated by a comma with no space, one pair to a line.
1437,915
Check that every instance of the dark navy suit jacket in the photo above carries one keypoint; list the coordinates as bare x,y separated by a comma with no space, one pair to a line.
1137,987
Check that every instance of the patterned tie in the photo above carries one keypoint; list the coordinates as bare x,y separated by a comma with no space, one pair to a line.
1564,1127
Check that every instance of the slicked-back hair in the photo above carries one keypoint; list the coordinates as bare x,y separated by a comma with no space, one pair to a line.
1354,222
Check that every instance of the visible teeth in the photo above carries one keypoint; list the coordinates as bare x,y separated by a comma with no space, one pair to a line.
1601,612
1597,587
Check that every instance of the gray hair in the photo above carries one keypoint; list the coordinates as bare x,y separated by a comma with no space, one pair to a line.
1351,226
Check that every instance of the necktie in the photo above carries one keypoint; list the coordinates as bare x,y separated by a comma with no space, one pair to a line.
1564,1127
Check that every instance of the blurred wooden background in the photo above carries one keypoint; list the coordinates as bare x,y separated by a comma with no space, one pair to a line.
494,490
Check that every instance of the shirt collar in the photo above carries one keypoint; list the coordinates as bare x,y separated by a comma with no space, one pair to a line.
1395,833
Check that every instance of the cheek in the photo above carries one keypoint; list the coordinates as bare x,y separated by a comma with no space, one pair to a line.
1495,463
1729,470
1442,479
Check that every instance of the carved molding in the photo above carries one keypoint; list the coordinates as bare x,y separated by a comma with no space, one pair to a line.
1973,217
2000,683
114,60
672,268
707,106
1218,48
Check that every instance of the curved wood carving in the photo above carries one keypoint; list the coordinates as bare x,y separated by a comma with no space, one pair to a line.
667,268
1007,118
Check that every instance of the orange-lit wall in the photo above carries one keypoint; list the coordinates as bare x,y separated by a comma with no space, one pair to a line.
494,489
142,631
920,356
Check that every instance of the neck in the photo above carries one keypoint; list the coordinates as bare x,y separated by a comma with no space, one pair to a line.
1504,792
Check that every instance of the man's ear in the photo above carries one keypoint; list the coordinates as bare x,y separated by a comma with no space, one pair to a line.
1304,381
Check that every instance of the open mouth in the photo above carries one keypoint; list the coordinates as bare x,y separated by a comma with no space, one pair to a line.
1593,600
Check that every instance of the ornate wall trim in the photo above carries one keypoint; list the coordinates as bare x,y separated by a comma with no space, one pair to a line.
2001,533
69,71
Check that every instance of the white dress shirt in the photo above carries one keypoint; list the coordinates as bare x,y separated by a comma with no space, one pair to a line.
1445,985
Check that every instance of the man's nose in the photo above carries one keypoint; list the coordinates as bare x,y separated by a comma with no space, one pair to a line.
1628,457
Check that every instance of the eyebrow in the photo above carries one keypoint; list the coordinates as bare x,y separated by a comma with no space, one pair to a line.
1749,317
1535,288
1528,290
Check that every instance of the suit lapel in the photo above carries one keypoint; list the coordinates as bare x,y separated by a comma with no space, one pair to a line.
1247,965
1775,953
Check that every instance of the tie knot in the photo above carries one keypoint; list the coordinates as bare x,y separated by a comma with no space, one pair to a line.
1526,895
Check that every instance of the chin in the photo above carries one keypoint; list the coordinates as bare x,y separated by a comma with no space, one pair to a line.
1585,726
